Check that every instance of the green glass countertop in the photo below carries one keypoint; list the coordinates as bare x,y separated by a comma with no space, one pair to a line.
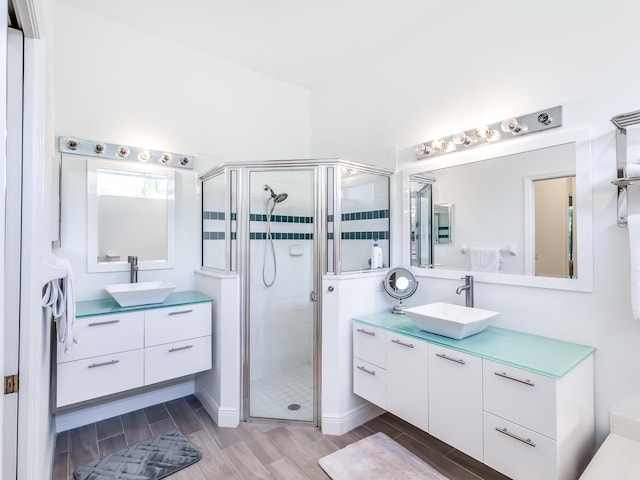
546,356
89,308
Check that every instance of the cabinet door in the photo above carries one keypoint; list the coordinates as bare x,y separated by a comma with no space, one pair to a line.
455,399
173,360
98,376
369,382
166,325
105,334
520,396
407,387
518,452
369,344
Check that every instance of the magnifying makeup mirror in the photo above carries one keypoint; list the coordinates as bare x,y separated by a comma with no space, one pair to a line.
400,283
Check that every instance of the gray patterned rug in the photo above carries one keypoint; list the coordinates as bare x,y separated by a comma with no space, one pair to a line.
377,457
151,459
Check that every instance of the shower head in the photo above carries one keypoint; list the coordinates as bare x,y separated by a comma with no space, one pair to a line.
277,197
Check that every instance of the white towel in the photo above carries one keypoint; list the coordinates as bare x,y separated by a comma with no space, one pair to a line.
58,294
634,246
486,259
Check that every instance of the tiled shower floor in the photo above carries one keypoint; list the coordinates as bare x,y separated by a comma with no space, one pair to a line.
271,396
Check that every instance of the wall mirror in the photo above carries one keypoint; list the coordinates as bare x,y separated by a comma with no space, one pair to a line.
531,200
130,211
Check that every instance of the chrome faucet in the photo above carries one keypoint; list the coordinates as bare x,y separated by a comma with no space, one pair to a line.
134,268
468,289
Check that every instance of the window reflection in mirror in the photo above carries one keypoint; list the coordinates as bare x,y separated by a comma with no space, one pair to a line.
130,211
495,208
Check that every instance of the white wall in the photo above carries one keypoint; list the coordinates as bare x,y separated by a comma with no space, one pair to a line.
466,66
115,84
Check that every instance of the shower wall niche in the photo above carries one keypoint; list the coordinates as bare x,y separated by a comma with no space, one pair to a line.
281,226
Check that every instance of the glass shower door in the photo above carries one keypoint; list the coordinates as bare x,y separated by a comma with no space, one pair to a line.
280,365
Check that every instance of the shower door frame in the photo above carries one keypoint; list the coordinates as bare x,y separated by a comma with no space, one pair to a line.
319,254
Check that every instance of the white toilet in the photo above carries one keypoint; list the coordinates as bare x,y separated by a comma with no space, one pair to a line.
619,455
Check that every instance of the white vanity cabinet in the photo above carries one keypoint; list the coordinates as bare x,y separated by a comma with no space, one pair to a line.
369,364
126,348
407,385
522,404
455,399
536,426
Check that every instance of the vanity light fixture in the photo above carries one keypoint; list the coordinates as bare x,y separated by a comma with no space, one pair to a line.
484,134
114,151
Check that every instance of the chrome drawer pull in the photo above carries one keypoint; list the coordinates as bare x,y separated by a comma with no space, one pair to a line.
362,330
110,362
513,435
180,312
180,348
370,372
504,375
108,322
457,360
410,345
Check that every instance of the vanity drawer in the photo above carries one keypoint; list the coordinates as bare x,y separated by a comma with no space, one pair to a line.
98,376
518,452
369,344
167,325
520,396
370,382
172,360
105,334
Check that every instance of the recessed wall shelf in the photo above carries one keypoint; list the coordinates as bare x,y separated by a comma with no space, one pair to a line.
114,151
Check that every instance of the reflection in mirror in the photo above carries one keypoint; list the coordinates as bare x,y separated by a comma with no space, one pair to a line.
555,227
399,283
495,209
130,212
421,213
443,223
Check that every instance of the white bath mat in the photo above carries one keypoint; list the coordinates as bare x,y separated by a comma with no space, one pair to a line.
377,457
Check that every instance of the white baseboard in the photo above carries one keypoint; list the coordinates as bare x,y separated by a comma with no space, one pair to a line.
67,420
223,416
339,424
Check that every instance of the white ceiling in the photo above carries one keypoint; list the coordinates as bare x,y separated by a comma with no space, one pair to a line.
299,41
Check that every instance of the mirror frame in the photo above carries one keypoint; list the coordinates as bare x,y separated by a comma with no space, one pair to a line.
584,206
93,265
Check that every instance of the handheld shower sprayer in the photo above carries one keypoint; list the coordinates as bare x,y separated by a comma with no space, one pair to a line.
277,197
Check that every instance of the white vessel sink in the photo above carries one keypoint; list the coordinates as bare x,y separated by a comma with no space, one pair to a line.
144,293
450,320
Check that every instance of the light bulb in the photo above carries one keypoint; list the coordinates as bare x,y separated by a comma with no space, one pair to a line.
166,158
545,119
439,144
483,131
123,151
462,139
493,136
424,149
144,156
512,125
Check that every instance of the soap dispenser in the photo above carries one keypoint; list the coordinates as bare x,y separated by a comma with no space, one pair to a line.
376,255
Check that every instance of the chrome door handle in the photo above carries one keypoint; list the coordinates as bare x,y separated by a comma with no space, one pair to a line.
177,349
180,312
457,360
408,345
110,362
370,372
517,437
519,380
362,330
107,322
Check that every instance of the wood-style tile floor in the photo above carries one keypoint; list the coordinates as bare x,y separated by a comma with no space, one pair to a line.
252,451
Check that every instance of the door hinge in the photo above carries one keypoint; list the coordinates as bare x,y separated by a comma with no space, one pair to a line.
11,384
313,296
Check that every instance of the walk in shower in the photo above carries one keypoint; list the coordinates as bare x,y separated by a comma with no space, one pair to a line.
261,221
